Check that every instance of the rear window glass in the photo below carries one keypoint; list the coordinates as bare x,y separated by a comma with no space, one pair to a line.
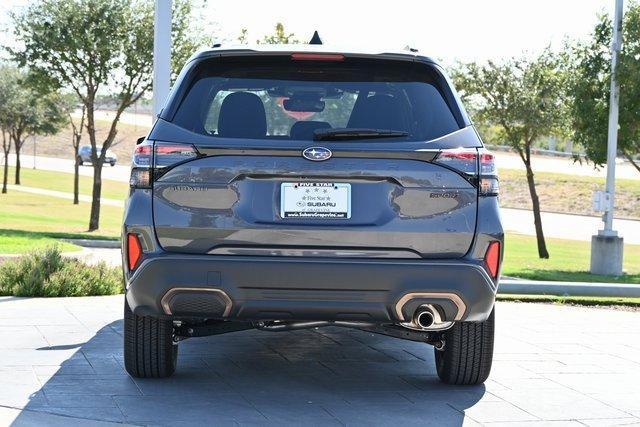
267,98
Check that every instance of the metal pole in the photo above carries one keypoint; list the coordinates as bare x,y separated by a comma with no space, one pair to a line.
612,139
607,248
161,54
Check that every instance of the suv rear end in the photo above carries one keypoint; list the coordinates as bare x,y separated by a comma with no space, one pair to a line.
290,188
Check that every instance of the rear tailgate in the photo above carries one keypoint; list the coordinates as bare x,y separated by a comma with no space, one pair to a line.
251,117
401,204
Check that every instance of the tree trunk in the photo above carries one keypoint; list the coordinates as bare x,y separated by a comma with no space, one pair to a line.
94,218
537,219
96,163
5,176
17,177
6,149
76,177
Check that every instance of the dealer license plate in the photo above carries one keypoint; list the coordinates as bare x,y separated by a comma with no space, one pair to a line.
315,200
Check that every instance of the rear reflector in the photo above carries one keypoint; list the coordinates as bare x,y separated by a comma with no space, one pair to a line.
492,259
317,57
134,250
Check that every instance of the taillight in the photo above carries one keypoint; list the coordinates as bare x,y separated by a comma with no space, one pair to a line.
151,160
141,165
476,165
492,259
168,154
464,160
488,182
134,250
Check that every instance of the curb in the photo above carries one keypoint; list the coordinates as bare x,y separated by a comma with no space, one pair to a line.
582,289
92,243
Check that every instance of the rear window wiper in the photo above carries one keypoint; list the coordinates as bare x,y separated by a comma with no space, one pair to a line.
354,133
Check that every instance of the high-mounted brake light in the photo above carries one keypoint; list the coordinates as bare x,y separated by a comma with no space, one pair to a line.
134,250
473,163
492,259
317,57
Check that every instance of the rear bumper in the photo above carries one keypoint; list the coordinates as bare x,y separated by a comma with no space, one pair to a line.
298,288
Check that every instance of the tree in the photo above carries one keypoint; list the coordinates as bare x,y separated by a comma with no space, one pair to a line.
524,99
590,71
29,112
6,150
89,46
8,90
69,104
279,36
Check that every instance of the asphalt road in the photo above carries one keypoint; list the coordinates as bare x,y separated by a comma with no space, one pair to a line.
61,364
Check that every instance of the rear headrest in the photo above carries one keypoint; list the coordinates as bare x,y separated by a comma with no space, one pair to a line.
377,112
242,116
305,129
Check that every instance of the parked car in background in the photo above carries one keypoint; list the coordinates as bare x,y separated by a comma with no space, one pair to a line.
291,187
84,155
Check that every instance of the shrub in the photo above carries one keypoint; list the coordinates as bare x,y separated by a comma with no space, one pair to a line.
45,273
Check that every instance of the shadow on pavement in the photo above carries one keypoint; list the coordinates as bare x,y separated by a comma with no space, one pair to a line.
323,377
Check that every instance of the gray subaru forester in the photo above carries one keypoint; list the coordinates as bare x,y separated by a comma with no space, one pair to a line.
289,187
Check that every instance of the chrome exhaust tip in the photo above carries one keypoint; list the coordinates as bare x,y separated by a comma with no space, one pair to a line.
424,318
427,318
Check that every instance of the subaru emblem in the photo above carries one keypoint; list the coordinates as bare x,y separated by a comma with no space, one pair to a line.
316,154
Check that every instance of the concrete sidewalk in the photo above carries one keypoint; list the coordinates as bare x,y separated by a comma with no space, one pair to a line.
61,364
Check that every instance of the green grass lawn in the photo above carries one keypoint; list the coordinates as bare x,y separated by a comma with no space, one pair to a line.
61,181
18,242
54,217
569,261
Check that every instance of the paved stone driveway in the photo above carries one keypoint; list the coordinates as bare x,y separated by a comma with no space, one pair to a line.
553,364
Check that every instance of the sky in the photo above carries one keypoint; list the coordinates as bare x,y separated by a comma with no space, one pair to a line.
449,30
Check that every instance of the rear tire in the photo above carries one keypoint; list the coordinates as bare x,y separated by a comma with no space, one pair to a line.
468,352
149,350
80,162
